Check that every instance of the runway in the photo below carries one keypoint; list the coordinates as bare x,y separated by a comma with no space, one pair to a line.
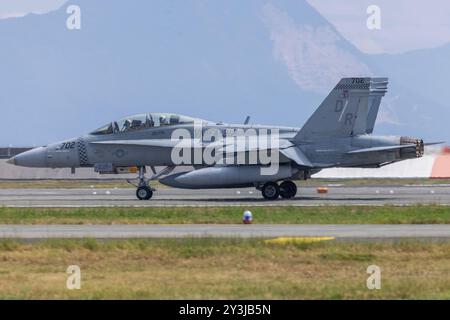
342,232
307,196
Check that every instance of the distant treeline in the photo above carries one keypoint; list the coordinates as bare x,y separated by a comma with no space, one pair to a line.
6,152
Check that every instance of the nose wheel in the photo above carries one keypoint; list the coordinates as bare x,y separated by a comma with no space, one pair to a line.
144,193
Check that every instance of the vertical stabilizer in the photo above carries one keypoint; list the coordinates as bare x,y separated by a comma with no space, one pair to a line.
350,109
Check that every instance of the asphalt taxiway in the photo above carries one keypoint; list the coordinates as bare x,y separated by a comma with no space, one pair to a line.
307,196
352,232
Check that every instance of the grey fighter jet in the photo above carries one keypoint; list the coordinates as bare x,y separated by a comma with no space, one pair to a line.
338,134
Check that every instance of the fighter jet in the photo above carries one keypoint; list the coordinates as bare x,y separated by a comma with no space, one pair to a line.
269,158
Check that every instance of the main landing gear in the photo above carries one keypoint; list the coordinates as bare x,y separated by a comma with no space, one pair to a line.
144,191
271,190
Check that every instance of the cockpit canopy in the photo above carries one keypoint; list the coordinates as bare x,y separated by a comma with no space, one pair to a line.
143,121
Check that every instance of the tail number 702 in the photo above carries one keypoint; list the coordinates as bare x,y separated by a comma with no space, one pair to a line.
357,80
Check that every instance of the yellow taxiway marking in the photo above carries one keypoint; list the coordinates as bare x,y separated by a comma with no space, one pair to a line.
294,240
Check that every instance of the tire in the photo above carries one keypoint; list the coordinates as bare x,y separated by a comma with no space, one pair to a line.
288,189
144,193
270,191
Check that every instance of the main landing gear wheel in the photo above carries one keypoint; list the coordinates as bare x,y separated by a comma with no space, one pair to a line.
288,189
270,191
144,193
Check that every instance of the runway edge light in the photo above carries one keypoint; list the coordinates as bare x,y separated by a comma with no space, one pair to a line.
247,217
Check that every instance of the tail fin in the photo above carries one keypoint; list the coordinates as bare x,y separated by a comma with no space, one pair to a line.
350,109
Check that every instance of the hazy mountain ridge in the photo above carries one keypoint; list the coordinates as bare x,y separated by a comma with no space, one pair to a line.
427,69
274,60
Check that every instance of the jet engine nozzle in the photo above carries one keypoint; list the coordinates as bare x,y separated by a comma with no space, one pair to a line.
414,152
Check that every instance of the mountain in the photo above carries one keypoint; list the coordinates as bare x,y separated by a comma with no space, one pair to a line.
426,71
274,60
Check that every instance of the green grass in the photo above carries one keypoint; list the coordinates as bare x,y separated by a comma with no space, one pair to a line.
223,269
224,215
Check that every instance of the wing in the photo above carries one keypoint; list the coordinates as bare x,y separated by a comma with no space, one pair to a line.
296,155
238,145
252,143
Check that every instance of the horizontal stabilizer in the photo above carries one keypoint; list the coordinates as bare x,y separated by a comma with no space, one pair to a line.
377,149
433,143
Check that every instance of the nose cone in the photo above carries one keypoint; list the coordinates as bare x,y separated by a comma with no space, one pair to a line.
33,158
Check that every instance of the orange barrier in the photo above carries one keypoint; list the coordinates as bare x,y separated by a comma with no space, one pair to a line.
441,167
322,190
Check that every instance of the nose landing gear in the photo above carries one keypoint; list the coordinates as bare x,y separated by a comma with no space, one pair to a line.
144,191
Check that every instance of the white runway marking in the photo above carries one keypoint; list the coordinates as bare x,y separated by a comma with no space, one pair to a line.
307,196
360,231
